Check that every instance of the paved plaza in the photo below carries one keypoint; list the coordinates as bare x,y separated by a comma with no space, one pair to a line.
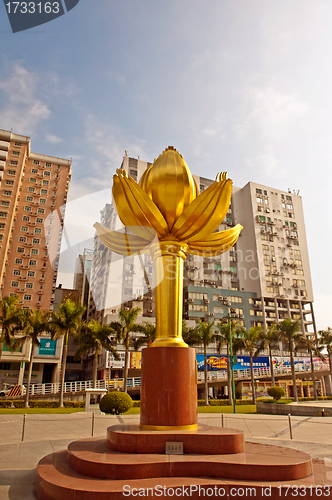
45,434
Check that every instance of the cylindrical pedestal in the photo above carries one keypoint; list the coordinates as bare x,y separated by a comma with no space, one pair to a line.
168,389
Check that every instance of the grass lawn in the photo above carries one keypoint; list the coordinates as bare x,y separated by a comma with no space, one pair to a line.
52,411
133,411
211,409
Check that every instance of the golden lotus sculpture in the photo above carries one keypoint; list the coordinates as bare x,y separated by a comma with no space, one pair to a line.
167,204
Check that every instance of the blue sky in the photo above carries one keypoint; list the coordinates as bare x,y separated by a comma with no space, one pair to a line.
237,86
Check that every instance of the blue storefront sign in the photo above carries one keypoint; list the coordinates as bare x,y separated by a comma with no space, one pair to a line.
47,347
219,362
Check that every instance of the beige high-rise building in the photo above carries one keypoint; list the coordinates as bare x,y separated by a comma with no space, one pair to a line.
33,192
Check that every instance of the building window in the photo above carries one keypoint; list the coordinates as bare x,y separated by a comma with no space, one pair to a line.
31,274
7,193
13,162
5,203
39,220
16,153
32,262
31,189
22,239
11,172
38,230
259,200
36,241
42,200
35,162
34,170
269,289
3,215
29,285
289,198
26,218
29,198
234,298
20,250
41,210
25,229
19,144
34,251
48,164
45,183
9,183
27,209
259,191
18,261
16,272
15,284
32,179
43,191
26,297
47,173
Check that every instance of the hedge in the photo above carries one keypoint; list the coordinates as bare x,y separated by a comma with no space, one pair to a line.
42,404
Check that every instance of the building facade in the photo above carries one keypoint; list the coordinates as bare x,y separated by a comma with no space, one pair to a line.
33,193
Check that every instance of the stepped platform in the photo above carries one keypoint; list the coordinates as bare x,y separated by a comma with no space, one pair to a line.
91,469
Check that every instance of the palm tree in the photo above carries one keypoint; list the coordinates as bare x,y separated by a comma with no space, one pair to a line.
223,339
312,346
204,334
9,320
325,340
248,342
34,324
267,340
94,336
123,329
289,331
66,321
149,330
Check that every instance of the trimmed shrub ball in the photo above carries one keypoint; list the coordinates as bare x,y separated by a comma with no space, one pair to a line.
276,392
115,403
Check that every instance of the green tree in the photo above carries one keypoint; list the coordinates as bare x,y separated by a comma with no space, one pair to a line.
312,346
204,334
66,321
190,334
289,331
325,340
149,331
223,339
33,323
248,341
123,330
94,336
10,321
268,339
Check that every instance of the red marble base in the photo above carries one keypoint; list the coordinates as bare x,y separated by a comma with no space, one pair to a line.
168,387
89,470
205,440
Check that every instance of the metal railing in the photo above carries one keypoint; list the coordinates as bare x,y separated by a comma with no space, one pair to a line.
81,386
134,382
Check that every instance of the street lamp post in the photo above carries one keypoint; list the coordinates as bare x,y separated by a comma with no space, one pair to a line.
228,304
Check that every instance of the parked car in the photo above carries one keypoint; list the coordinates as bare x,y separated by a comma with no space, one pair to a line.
5,392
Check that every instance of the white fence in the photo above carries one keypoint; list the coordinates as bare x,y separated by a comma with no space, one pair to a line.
83,385
136,381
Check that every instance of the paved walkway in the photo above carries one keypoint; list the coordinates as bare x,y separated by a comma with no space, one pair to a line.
45,434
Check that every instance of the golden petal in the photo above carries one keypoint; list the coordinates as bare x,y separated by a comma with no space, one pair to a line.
216,243
135,208
205,213
121,243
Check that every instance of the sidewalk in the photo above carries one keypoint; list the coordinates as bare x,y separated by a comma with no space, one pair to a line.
45,434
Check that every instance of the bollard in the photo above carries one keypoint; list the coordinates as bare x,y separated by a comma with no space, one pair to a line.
290,426
222,420
93,423
23,428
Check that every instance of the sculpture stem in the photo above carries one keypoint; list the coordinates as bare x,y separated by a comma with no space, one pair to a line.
168,260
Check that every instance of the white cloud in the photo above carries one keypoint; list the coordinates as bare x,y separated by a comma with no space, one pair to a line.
271,112
24,109
53,139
